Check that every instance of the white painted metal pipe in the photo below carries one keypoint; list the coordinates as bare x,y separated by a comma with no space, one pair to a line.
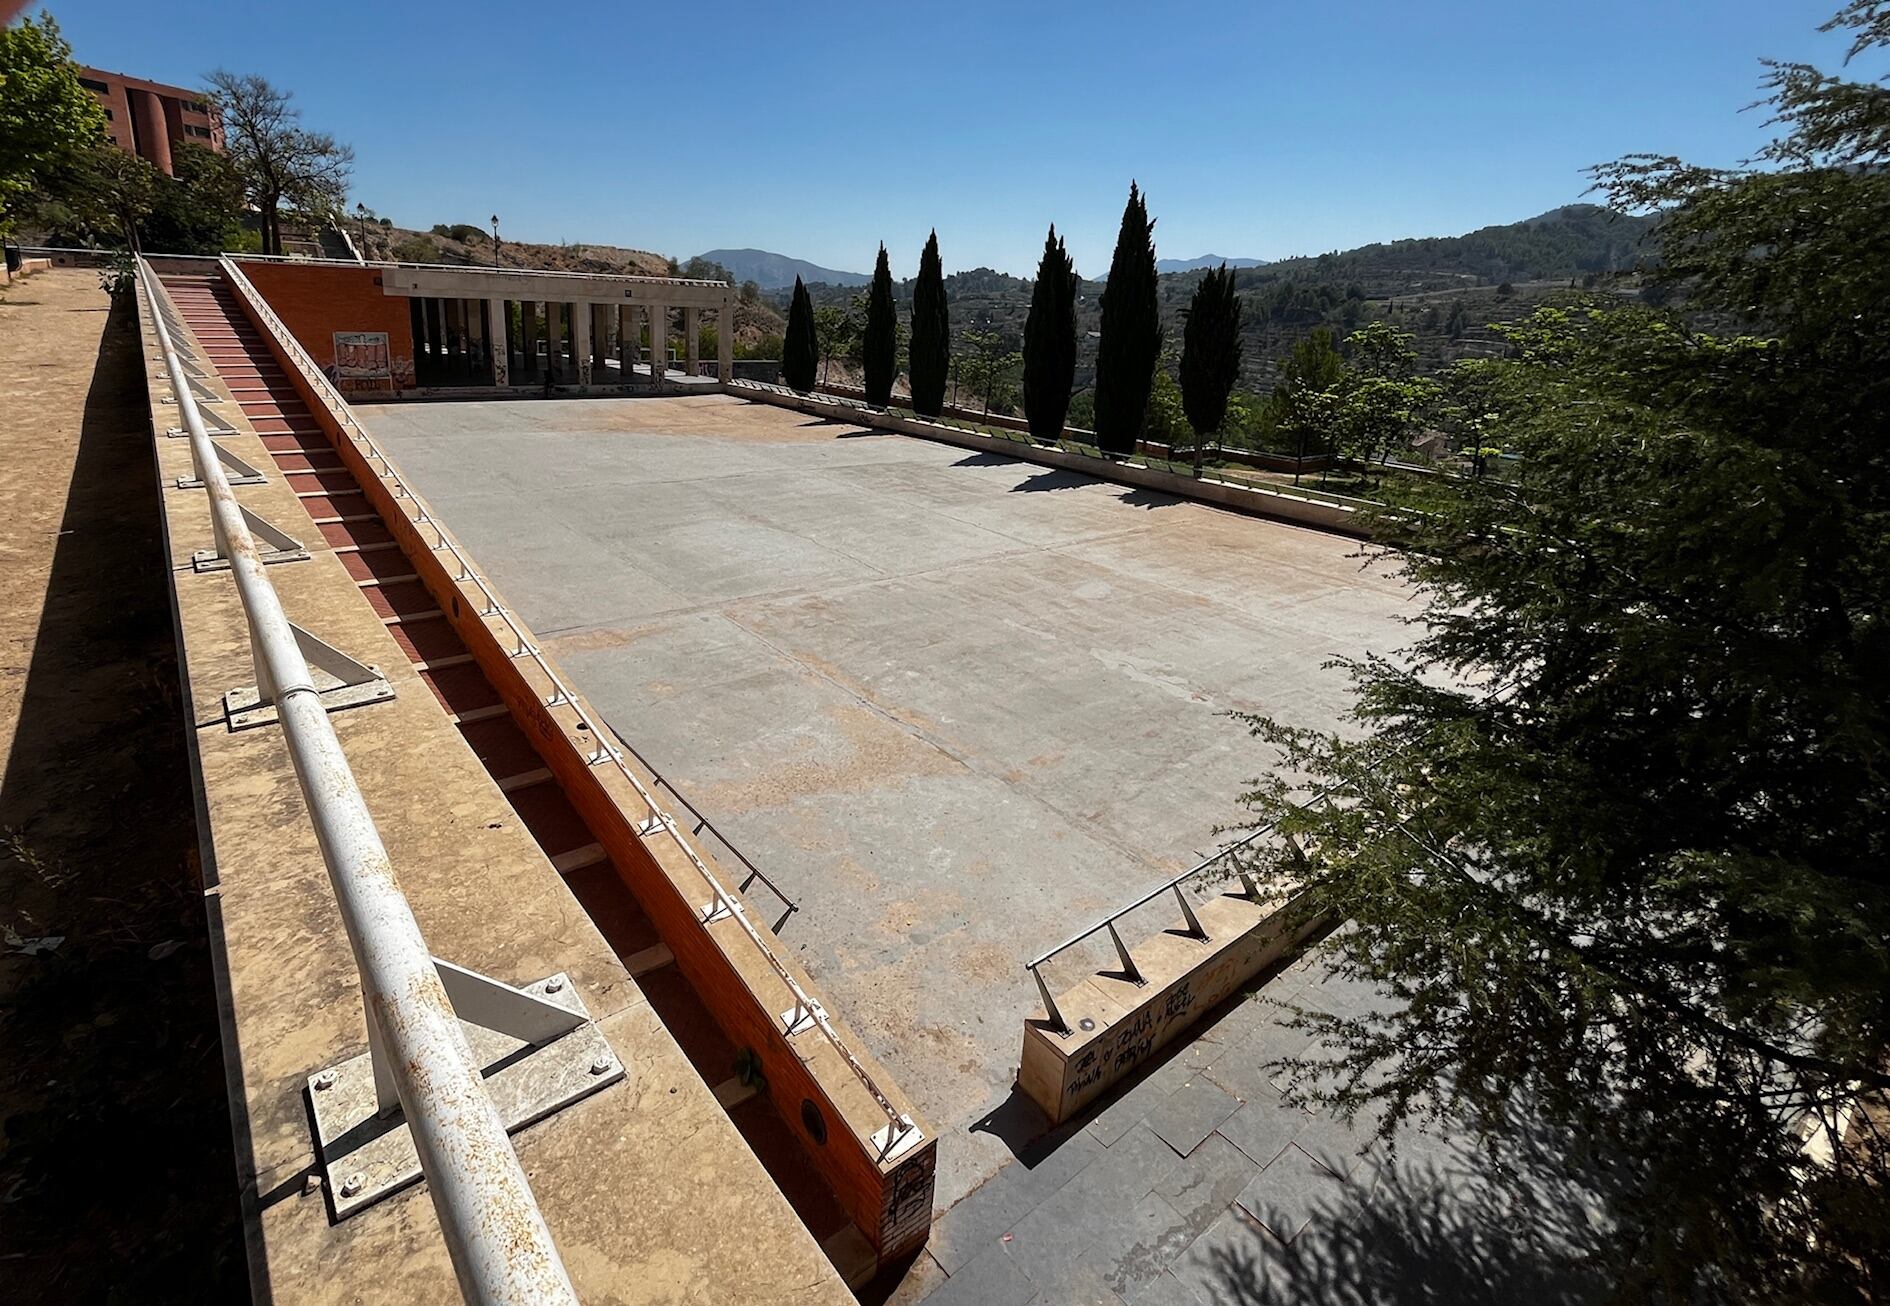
501,1250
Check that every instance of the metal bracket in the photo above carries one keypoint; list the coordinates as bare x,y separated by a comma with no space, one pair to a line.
341,681
183,433
538,1052
197,392
236,471
286,547
1194,930
798,1017
894,1140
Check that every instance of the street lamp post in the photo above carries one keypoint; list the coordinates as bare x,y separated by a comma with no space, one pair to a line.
360,225
495,240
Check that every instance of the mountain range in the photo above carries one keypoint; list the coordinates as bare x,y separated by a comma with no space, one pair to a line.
1205,261
777,271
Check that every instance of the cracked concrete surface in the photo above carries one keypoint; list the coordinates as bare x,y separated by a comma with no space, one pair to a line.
956,706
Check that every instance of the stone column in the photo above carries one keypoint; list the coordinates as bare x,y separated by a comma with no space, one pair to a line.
600,341
692,341
725,340
627,341
659,344
528,337
554,336
581,342
500,346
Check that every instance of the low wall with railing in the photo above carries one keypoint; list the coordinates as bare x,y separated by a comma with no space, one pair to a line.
1111,1023
858,1128
1325,512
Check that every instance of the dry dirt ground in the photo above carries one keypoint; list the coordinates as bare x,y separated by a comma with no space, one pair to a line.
116,1180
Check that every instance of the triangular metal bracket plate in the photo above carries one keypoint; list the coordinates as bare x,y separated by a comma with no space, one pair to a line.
235,470
282,547
215,433
341,681
536,1047
199,392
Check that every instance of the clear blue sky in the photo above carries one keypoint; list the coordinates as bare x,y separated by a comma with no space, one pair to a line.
1262,129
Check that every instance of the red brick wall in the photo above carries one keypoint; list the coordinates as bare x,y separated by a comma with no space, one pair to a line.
316,300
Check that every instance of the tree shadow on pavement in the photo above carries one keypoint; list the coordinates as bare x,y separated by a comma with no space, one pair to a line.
1516,1221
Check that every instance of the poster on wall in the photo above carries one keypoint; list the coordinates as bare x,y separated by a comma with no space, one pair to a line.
362,356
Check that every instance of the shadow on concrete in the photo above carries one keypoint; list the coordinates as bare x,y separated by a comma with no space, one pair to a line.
1055,479
1140,498
1517,1222
118,1176
987,460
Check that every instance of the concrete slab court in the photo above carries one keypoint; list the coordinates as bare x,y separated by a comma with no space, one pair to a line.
954,705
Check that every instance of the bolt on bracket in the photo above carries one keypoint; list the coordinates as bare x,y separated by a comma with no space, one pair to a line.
538,1051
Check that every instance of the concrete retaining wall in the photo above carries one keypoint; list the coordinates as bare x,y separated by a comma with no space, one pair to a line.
1116,1025
1258,502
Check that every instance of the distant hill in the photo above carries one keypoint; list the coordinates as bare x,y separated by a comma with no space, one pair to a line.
777,271
1574,240
1205,261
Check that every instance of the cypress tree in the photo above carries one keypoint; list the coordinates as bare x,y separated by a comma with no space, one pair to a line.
800,350
882,336
1210,356
1050,341
931,334
1131,332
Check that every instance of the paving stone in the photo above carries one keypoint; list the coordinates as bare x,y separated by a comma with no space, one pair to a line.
1288,1193
974,1224
1137,1248
1166,1290
1335,1143
1226,1263
1075,1283
1242,1070
1206,1184
1127,1111
987,1280
1191,1113
1118,1179
1263,1127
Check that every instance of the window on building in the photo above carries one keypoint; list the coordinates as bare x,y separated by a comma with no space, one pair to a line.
193,130
100,87
109,115
196,106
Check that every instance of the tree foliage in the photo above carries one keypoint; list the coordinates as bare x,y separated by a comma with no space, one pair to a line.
882,335
1300,406
282,163
1131,332
1613,838
1380,402
800,349
931,334
48,122
989,365
1050,341
1210,355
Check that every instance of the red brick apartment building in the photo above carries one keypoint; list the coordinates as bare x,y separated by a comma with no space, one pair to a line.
148,118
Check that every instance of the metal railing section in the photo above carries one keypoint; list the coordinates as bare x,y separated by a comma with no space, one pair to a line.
900,1126
495,1234
1174,886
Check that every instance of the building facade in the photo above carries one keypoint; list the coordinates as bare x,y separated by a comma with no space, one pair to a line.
149,119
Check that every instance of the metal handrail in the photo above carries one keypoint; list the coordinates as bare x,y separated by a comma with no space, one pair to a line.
704,823
1172,885
495,1234
722,903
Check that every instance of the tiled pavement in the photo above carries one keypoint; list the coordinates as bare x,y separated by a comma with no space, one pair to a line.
1200,1185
